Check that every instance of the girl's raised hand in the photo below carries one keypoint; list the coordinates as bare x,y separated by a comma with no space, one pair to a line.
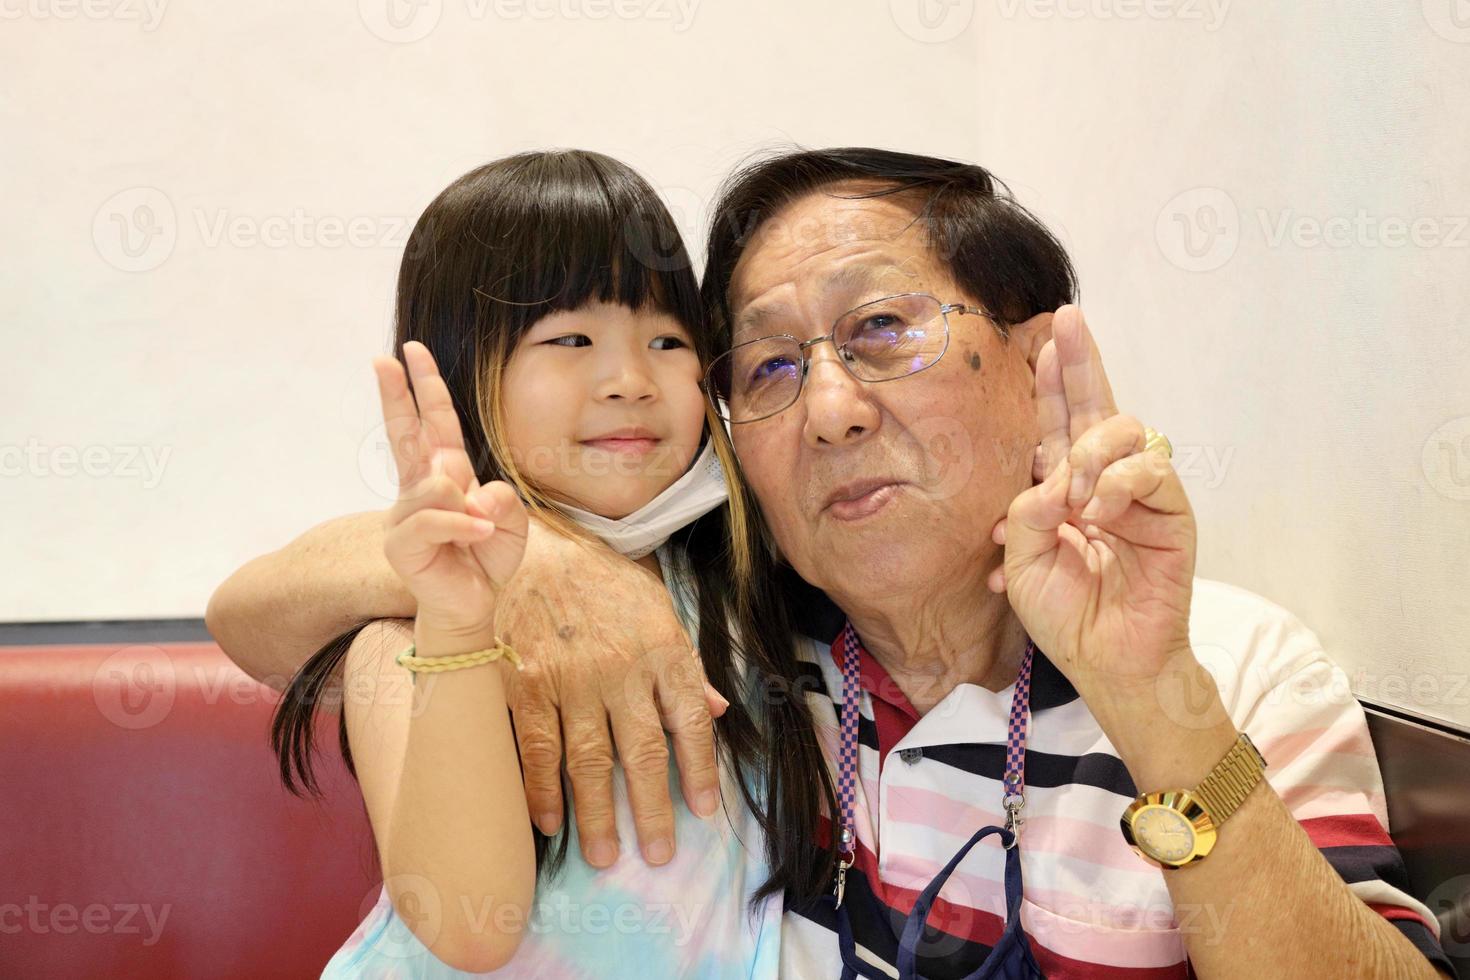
453,542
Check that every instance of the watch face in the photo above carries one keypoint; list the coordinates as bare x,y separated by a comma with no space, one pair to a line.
1164,833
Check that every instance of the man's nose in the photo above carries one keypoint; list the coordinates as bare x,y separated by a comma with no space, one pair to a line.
838,411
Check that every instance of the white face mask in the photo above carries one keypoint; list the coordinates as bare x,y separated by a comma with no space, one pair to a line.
700,490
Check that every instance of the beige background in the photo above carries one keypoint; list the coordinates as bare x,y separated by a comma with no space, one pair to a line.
1267,204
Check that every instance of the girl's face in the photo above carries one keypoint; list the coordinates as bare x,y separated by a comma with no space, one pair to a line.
603,408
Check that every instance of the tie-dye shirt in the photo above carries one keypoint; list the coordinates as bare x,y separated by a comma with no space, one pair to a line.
691,917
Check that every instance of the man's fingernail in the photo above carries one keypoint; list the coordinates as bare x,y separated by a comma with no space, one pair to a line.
549,823
1078,488
600,854
707,803
1093,508
660,851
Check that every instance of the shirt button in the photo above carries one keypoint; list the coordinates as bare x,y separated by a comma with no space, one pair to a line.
911,756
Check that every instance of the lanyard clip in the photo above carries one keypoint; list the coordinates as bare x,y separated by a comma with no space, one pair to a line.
843,863
1014,803
842,867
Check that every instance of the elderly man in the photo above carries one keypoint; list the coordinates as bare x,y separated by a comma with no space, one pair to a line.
1013,562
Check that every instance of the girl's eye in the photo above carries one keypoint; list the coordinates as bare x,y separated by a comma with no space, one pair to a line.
572,340
668,343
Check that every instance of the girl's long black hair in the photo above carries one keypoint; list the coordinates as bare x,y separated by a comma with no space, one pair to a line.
501,247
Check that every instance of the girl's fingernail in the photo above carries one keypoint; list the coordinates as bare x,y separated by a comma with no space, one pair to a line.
1091,511
483,527
1078,488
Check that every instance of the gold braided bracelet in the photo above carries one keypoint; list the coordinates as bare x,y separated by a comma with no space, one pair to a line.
458,661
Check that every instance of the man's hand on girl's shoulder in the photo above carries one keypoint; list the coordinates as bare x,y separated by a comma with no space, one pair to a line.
606,664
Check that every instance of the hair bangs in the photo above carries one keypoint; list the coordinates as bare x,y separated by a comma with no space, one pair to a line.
586,229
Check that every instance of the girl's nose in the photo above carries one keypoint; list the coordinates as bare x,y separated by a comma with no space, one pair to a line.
627,377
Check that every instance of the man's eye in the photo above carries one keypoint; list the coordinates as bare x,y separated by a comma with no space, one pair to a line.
773,367
877,322
668,343
572,340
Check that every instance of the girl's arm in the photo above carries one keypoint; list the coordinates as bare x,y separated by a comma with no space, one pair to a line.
452,829
437,765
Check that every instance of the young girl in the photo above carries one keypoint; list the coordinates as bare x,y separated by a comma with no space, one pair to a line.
571,345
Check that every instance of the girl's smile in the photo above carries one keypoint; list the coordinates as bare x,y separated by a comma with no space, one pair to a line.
633,440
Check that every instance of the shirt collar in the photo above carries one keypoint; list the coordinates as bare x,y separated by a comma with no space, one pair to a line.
1049,687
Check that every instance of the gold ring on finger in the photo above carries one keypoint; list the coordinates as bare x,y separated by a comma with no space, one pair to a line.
1154,440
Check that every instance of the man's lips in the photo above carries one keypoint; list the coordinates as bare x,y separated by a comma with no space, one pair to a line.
861,498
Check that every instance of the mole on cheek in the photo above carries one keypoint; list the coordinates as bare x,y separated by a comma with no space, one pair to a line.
974,362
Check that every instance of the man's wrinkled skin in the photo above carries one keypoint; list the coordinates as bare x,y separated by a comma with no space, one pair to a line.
591,665
595,675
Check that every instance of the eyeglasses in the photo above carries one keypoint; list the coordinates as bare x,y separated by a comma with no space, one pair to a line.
884,340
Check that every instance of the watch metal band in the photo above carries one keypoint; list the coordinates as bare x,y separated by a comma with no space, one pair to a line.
1231,781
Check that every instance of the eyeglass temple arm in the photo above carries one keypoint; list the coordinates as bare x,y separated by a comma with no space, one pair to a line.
1002,325
962,308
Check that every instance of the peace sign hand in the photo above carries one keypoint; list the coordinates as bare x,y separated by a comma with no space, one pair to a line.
1099,559
453,542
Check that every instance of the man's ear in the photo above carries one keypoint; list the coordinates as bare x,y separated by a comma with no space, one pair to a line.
1031,336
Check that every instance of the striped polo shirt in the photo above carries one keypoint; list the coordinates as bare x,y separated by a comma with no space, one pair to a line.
1091,906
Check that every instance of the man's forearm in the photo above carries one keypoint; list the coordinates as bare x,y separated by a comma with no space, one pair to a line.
279,609
1264,902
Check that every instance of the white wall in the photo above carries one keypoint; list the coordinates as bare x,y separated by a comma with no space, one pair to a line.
1316,387
181,401
241,367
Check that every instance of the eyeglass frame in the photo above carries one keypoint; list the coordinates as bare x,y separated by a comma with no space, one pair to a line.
802,346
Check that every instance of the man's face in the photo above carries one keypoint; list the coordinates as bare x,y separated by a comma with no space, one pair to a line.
892,485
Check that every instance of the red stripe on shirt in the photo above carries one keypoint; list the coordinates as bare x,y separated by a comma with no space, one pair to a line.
1399,912
1346,830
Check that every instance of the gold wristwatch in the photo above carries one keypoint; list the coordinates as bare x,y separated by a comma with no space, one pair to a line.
1176,827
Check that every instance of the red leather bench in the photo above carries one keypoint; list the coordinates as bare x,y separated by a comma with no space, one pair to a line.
144,831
